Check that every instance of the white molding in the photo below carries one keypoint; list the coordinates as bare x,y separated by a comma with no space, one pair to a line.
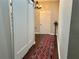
47,33
41,33
24,49
51,33
37,33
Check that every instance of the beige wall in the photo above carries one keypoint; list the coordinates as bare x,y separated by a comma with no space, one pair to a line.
52,7
37,21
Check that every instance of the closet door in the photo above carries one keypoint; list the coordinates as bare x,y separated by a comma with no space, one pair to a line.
23,20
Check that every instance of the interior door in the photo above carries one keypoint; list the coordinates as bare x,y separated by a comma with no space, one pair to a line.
23,27
31,22
45,18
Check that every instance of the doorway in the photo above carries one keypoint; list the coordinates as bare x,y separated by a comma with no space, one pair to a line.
46,17
63,14
64,19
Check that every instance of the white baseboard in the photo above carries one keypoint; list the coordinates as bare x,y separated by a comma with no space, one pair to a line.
37,33
24,50
45,33
52,34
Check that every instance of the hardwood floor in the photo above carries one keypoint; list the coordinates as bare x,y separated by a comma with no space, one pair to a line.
45,48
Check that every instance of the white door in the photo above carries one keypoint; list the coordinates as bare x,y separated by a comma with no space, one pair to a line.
31,24
45,18
23,27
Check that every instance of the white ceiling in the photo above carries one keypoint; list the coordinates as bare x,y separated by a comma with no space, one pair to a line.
46,0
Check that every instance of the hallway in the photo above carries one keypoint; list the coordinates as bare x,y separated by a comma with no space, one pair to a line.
45,48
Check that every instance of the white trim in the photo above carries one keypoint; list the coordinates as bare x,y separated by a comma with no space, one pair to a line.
37,33
52,34
24,49
45,33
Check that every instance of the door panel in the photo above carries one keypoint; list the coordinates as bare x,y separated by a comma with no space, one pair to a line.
23,27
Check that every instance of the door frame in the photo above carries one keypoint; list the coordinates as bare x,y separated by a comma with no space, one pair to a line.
60,34
65,13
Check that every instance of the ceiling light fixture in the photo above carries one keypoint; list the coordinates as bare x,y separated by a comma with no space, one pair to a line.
37,5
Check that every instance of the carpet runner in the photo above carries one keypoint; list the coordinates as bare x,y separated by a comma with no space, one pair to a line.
46,49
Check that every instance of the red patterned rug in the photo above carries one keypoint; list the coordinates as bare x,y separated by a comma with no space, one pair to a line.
46,49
